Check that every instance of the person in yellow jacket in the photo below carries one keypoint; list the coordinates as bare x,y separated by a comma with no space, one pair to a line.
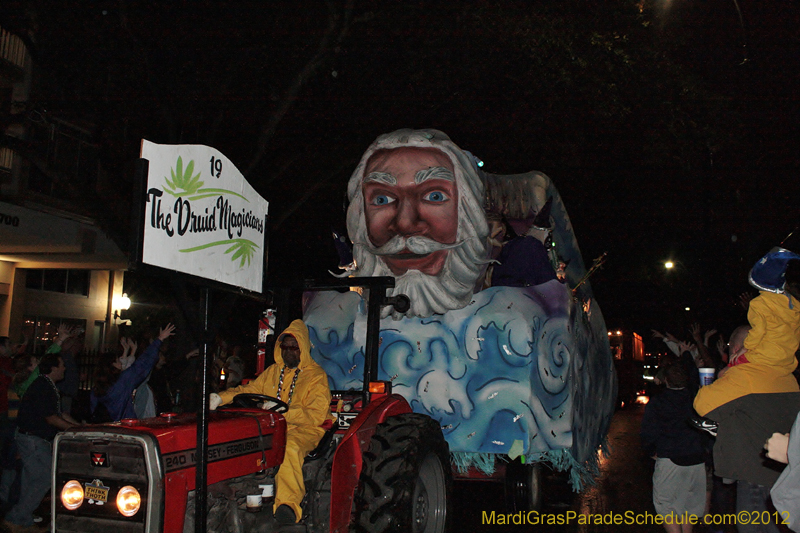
300,382
770,348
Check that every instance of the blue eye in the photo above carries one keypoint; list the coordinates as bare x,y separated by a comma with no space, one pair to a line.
435,196
382,199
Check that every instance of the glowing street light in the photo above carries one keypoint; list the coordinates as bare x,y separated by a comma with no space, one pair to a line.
673,264
119,304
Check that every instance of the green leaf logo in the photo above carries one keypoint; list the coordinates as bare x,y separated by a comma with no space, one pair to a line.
243,249
184,184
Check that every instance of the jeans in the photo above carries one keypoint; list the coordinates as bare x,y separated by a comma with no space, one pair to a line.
37,460
755,500
8,461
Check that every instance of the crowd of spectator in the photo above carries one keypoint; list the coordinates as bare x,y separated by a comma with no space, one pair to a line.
719,441
41,395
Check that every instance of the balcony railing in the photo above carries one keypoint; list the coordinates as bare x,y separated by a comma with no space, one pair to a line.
6,160
12,49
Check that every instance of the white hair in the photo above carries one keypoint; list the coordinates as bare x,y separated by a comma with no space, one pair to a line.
452,288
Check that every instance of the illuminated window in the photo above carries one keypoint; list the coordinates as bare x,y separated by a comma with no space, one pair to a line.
42,330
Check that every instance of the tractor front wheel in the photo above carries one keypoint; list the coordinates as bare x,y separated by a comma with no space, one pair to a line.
405,480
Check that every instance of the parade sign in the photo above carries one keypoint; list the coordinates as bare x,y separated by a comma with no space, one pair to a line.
202,217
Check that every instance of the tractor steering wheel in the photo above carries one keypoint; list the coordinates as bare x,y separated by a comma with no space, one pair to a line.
260,401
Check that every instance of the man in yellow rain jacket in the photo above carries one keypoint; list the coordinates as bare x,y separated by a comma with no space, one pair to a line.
769,348
300,382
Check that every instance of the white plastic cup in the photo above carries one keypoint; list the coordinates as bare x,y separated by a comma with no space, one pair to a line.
253,502
267,491
706,376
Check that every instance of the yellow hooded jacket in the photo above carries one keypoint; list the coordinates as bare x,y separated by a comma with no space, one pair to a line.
311,402
771,344
309,408
774,330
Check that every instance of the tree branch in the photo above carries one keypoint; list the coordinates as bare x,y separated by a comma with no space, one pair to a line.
336,23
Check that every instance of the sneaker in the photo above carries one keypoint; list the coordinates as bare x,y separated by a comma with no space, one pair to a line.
284,515
37,519
704,424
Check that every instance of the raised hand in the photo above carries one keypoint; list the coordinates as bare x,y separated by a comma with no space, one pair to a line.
744,300
694,329
166,332
685,346
65,332
125,348
721,348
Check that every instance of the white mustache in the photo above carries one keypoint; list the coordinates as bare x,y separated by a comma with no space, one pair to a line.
416,245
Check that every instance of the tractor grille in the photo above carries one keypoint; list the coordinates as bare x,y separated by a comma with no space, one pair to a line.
103,464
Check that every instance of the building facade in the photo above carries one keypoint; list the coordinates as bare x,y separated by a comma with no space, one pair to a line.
58,264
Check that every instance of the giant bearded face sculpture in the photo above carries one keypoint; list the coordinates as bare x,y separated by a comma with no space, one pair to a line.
408,193
416,214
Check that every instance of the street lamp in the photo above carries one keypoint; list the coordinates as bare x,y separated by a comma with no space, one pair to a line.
672,265
119,304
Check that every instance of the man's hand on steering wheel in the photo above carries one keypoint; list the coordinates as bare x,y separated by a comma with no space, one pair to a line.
260,401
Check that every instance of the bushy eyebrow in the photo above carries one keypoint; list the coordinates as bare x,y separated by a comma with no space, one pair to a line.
381,177
422,176
440,173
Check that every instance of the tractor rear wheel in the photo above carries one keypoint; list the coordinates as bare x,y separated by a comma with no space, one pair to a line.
405,479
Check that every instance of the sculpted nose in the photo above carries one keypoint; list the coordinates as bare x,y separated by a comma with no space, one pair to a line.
407,220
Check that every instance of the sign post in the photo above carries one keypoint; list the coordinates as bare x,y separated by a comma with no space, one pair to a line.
200,217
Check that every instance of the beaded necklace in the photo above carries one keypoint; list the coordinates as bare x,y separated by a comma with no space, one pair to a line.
291,389
58,394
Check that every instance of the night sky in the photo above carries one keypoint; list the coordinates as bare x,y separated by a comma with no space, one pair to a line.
669,127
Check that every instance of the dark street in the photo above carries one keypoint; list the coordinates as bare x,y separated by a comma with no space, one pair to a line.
623,489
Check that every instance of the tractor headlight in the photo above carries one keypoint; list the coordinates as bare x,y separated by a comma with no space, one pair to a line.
128,501
72,495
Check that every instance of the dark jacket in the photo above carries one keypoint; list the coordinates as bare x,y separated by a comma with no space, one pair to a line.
745,424
665,431
118,400
41,400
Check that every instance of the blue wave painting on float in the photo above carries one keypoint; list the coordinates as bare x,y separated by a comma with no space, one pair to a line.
500,370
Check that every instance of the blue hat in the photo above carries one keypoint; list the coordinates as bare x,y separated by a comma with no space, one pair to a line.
767,274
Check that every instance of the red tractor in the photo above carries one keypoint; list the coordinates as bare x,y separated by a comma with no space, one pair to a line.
379,467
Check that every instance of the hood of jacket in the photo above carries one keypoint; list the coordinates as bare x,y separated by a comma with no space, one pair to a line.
299,331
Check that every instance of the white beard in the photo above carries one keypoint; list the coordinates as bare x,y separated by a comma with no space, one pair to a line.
430,294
